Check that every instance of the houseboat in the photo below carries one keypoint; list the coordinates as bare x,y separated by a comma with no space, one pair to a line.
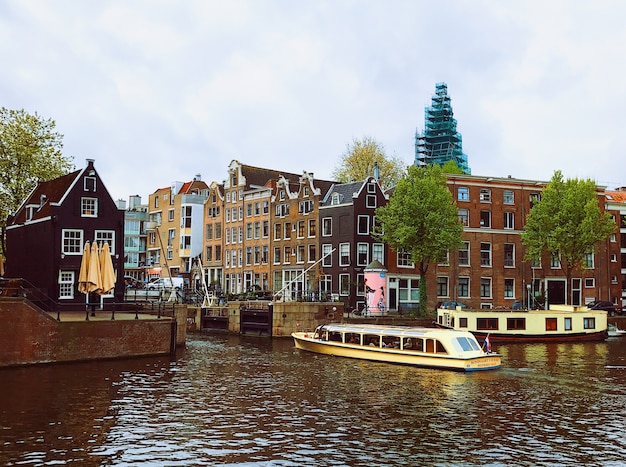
561,323
415,346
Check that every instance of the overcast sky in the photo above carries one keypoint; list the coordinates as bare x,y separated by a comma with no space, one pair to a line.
159,91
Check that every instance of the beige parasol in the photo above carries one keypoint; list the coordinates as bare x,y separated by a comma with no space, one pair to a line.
94,279
106,270
83,279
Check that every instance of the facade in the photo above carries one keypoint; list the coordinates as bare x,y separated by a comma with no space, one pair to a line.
489,270
46,236
616,205
135,218
347,217
212,259
440,142
175,227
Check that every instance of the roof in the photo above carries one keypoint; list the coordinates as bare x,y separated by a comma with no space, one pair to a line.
616,196
51,191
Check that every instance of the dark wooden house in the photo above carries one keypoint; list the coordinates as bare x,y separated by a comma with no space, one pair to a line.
46,238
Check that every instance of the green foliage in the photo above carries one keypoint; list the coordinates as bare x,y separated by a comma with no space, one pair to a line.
421,218
450,167
30,151
567,222
358,161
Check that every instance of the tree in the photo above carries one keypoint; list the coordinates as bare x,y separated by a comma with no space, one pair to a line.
421,218
450,167
30,152
567,222
358,161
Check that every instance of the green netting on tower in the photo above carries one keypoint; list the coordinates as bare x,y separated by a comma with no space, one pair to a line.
440,142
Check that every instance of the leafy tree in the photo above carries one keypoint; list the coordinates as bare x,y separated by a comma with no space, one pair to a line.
30,151
421,218
450,167
567,222
358,161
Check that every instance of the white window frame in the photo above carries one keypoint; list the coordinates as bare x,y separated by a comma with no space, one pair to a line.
66,285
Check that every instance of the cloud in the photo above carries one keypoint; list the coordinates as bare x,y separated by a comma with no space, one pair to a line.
160,91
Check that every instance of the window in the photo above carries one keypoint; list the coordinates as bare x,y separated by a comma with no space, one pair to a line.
509,288
266,207
404,258
312,228
66,285
170,215
464,217
327,226
287,255
567,324
108,236
464,254
463,193
485,195
171,234
588,260
266,229
344,254
327,248
305,207
248,256
555,261
463,288
89,207
485,254
589,323
344,284
485,219
534,199
257,230
371,187
287,234
209,232
516,324
362,254
370,201
487,324
509,220
485,287
89,184
442,286
301,231
551,324
276,255
508,197
277,229
72,242
378,253
590,282
509,255
300,254
363,225
312,253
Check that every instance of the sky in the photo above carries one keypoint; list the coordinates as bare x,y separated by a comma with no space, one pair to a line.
160,91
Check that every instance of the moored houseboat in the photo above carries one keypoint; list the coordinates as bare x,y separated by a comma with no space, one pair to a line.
558,324
415,346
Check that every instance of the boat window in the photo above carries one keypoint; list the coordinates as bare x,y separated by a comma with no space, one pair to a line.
487,324
518,324
391,342
413,343
353,338
372,340
467,344
441,348
334,336
551,324
430,346
462,322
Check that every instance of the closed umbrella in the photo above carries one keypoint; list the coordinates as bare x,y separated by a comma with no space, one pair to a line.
94,279
83,278
106,270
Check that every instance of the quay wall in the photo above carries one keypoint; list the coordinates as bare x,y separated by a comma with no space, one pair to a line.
30,336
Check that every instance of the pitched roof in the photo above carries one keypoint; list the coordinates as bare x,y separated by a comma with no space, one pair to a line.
49,192
616,196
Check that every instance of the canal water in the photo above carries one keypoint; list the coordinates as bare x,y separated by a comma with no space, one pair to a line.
238,401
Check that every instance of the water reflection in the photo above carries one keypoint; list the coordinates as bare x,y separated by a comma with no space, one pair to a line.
230,400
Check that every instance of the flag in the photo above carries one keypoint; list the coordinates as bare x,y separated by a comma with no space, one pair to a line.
487,343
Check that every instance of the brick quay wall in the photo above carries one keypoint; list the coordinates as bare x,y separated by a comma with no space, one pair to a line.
29,336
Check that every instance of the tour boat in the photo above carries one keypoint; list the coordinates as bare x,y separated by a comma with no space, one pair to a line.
415,346
561,323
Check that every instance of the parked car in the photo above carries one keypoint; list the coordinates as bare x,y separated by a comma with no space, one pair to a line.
166,283
450,305
131,283
605,305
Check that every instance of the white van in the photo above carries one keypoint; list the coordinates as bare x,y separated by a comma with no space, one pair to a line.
166,283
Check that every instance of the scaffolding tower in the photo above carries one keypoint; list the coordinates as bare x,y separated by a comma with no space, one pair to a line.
440,142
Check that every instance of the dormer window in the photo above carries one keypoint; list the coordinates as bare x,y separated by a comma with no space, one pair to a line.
30,211
89,184
335,199
89,207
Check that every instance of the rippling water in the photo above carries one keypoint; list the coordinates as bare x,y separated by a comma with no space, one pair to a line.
236,401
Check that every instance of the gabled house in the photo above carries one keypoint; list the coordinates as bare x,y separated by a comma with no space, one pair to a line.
46,236
347,218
